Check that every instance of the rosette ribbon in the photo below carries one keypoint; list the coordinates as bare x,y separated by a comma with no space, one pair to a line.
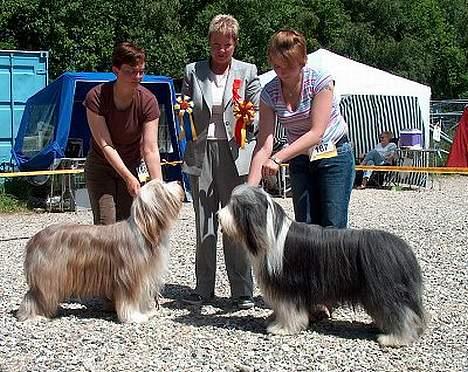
184,109
244,112
235,90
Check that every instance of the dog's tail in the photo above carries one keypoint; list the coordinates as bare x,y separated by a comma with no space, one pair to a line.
393,275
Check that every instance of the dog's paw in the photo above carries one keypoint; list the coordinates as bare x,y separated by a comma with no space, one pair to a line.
278,329
35,319
391,340
135,318
152,313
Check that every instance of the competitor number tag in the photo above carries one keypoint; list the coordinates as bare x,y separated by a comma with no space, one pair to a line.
323,151
142,172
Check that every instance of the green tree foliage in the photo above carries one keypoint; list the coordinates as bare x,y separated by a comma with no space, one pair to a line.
423,40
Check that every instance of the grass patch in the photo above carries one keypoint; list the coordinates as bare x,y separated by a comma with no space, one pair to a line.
10,204
19,195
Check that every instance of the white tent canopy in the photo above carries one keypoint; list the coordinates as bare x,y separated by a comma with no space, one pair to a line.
354,78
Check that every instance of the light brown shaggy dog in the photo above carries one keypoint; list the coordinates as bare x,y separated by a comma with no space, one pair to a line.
124,262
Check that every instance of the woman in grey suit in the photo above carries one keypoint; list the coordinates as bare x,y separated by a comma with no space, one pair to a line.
214,160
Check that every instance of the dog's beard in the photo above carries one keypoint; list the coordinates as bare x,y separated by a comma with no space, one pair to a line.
277,229
228,223
259,223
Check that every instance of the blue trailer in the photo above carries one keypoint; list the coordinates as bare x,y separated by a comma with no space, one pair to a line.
22,74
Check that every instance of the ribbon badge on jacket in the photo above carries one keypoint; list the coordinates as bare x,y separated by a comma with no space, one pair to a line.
183,109
244,112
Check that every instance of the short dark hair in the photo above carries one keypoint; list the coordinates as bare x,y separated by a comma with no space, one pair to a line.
127,53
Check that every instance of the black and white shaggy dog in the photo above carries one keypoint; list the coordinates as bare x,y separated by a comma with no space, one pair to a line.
300,266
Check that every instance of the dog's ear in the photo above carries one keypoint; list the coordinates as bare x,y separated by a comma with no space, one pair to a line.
147,217
155,208
251,221
148,213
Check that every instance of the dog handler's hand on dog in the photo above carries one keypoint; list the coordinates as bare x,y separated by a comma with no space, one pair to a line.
270,167
133,185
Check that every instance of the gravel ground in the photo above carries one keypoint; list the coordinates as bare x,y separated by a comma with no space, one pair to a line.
216,338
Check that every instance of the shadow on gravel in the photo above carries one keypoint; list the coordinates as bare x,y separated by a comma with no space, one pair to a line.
223,304
228,317
177,292
250,323
348,330
94,308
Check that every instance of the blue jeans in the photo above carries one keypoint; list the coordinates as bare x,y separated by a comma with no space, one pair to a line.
322,189
373,157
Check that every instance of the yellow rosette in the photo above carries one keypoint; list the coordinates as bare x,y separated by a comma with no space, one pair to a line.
244,112
184,109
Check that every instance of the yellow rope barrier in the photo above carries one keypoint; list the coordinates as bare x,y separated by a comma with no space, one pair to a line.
63,171
41,173
439,170
378,168
389,168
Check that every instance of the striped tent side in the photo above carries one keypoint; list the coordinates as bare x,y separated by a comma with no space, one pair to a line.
369,115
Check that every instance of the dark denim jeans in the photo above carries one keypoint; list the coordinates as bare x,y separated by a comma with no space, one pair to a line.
321,189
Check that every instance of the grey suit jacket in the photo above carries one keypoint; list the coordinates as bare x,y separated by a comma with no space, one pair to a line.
197,85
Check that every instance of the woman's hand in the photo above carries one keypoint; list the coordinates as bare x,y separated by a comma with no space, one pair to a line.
269,168
133,185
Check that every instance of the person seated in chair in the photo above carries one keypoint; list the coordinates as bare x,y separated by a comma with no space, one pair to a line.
385,152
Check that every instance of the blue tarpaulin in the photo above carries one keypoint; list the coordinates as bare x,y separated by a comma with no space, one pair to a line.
54,123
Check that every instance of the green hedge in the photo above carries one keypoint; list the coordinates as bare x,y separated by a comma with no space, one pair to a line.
424,40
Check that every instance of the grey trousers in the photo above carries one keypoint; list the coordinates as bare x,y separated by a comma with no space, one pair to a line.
212,190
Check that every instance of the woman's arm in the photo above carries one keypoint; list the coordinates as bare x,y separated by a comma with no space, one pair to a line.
320,117
102,137
264,144
150,149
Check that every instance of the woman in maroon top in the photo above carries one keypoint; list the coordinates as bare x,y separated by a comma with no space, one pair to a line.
123,117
